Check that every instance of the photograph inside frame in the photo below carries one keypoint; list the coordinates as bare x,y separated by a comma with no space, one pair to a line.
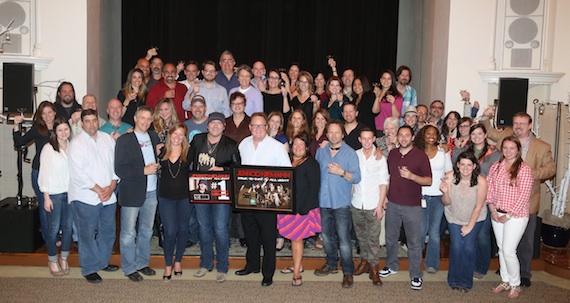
264,188
211,187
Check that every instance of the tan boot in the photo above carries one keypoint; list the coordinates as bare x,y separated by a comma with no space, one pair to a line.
374,275
363,267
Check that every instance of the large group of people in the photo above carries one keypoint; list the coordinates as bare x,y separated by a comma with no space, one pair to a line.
369,160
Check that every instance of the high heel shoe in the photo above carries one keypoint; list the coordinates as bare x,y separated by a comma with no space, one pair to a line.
64,265
166,278
55,273
178,273
279,244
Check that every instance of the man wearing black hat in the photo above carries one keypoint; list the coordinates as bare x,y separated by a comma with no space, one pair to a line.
213,151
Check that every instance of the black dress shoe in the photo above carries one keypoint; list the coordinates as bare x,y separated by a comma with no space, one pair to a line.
147,271
111,268
242,242
135,277
266,282
190,244
245,272
525,282
93,278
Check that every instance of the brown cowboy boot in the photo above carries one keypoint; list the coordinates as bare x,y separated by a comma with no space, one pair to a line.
363,267
374,276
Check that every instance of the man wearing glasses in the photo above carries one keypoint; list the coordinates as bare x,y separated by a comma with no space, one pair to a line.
216,95
227,78
436,113
261,227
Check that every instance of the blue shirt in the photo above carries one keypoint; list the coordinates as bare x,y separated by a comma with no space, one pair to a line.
109,128
410,98
336,191
222,80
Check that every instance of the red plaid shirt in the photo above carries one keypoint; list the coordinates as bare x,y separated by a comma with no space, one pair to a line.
511,197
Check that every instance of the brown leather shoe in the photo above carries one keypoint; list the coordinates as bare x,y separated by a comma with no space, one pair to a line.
363,267
376,281
325,270
347,281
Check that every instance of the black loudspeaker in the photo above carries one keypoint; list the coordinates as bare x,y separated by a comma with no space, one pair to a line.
19,227
513,97
18,87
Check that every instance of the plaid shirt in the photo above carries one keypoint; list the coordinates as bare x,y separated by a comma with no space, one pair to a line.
511,197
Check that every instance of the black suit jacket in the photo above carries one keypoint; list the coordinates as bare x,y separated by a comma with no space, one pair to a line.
129,166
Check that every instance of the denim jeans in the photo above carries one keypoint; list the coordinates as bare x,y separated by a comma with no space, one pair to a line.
60,216
136,254
174,215
40,197
410,217
431,224
193,227
214,220
96,229
483,256
337,225
462,251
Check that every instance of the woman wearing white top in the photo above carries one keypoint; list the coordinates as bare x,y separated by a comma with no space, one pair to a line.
54,182
432,209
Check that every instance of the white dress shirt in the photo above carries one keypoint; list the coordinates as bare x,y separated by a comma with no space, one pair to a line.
373,174
91,162
269,152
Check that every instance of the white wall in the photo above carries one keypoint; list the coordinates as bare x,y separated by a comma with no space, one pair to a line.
471,34
63,37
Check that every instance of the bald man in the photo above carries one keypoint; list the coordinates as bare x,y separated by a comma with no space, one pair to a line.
115,127
89,101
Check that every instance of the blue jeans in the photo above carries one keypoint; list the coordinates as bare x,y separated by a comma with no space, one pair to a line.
483,256
40,197
60,215
174,215
214,220
96,230
136,256
462,255
337,224
193,227
431,223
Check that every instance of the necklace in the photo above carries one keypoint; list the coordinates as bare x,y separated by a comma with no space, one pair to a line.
212,147
177,172
334,148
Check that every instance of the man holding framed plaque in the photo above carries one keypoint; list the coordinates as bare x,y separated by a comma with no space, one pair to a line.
213,152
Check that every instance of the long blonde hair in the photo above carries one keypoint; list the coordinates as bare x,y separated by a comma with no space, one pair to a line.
168,144
158,123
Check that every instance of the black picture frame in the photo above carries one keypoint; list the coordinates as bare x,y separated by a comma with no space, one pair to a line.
264,188
218,187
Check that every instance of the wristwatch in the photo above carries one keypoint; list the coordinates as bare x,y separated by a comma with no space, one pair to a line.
343,174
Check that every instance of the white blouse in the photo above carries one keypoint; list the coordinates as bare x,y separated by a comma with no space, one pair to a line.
54,172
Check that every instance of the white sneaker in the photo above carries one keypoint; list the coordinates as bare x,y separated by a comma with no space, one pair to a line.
221,277
201,272
416,283
386,272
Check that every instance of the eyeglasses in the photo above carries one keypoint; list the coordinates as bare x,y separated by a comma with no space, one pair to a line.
210,71
258,125
438,107
227,60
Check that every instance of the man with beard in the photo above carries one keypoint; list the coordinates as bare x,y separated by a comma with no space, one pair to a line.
156,66
168,88
216,95
65,102
213,151
538,155
351,126
436,109
409,170
404,76
339,171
